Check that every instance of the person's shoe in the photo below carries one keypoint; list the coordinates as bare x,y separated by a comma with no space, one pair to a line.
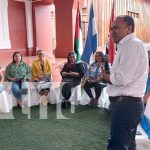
91,101
65,104
19,103
95,102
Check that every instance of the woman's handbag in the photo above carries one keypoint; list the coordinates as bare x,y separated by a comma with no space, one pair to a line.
43,85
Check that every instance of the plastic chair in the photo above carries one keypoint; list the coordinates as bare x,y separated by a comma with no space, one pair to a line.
4,106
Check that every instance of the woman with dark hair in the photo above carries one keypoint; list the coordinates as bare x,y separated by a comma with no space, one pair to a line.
72,74
93,78
19,74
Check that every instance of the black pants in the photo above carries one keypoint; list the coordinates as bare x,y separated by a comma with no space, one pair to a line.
97,87
67,87
125,115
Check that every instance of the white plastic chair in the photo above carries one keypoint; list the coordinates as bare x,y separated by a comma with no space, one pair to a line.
11,100
4,106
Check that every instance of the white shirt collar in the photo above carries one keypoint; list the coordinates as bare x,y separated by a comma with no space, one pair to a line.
126,38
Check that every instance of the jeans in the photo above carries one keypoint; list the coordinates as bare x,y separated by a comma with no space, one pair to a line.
19,89
125,116
97,87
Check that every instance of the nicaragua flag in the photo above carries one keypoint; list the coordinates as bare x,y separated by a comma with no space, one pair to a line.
91,44
78,44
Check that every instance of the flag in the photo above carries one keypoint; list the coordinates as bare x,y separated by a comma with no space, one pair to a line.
91,44
78,44
110,46
145,123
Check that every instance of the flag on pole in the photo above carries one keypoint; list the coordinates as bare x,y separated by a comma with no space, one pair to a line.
91,44
110,46
78,43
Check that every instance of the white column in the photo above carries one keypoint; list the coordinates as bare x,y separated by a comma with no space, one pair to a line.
29,24
4,29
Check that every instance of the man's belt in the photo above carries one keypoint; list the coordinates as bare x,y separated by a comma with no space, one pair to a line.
125,99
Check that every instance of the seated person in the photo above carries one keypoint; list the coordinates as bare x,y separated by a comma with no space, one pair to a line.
72,74
41,73
92,78
19,74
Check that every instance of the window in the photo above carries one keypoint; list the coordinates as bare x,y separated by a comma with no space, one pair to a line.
133,14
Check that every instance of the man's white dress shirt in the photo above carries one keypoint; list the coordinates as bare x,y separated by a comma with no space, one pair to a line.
129,71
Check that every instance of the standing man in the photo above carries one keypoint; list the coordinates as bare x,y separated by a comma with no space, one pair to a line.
126,84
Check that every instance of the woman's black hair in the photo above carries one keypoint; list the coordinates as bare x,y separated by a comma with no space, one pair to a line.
72,53
40,50
14,56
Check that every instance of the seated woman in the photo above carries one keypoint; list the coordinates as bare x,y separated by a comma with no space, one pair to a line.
41,73
72,74
19,74
92,78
